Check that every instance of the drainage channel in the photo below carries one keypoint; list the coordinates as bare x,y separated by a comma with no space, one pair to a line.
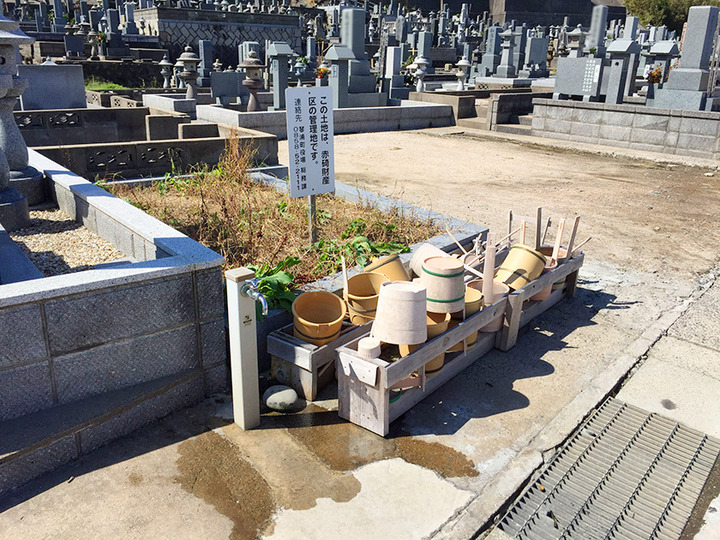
626,474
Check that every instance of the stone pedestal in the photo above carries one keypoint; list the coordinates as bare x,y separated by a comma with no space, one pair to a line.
14,213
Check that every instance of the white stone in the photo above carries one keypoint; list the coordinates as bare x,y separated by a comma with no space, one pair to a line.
280,398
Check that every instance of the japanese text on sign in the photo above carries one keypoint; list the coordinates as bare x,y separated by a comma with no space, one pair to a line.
310,140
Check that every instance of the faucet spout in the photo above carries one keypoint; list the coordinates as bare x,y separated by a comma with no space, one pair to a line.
250,288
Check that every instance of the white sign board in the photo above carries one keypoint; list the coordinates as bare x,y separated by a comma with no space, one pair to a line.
310,140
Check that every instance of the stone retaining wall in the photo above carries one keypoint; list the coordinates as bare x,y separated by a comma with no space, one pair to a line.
669,131
71,336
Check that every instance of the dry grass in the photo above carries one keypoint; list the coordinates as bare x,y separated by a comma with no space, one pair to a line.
249,223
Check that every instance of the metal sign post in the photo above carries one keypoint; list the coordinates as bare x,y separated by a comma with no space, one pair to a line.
310,133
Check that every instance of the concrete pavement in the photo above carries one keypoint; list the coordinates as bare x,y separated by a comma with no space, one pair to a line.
449,466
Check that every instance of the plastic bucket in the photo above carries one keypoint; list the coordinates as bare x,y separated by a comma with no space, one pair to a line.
317,317
362,296
500,290
520,267
400,315
444,279
437,323
390,266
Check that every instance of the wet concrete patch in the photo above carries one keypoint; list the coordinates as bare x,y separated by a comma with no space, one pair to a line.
446,461
212,469
345,446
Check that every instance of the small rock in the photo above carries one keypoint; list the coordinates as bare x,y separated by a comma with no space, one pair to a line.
656,229
709,174
281,398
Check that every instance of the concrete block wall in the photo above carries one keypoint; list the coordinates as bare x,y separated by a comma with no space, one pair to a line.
409,115
69,337
668,131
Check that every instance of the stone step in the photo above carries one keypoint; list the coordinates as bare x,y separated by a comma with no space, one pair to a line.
525,119
473,123
514,129
37,443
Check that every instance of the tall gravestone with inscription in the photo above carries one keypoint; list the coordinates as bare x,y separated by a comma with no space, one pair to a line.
687,85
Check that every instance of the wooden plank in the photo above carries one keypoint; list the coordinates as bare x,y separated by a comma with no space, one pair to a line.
538,229
360,369
410,398
366,406
306,355
513,312
571,284
402,368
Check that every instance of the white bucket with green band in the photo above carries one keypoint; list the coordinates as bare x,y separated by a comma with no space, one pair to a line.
443,279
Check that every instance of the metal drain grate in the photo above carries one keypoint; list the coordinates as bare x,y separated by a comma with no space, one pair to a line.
626,474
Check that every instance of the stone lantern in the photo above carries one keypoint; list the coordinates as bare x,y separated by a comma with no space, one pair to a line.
463,69
217,65
177,69
576,42
421,62
189,74
94,42
14,169
298,70
165,70
253,80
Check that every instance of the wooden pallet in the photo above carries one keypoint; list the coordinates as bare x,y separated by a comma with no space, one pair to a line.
303,366
364,385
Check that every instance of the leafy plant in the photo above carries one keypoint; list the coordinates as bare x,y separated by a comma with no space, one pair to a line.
356,250
276,283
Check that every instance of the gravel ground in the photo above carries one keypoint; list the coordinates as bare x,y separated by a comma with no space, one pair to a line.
57,244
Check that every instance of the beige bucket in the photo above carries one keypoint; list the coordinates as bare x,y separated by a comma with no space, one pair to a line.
473,304
317,317
362,296
443,278
520,267
545,293
437,323
391,266
500,290
400,316
562,254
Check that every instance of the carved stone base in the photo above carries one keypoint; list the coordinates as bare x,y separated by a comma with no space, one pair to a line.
31,183
14,213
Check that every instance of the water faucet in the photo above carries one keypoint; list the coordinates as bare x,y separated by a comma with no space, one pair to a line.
250,288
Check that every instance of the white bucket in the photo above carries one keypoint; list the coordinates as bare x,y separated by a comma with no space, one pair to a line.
444,279
400,316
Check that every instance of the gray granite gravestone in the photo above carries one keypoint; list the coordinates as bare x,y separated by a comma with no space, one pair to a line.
130,26
687,85
621,52
279,53
353,37
598,30
424,45
206,58
491,58
579,77
506,69
340,56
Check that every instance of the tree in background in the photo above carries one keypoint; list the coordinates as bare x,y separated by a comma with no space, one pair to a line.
671,13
